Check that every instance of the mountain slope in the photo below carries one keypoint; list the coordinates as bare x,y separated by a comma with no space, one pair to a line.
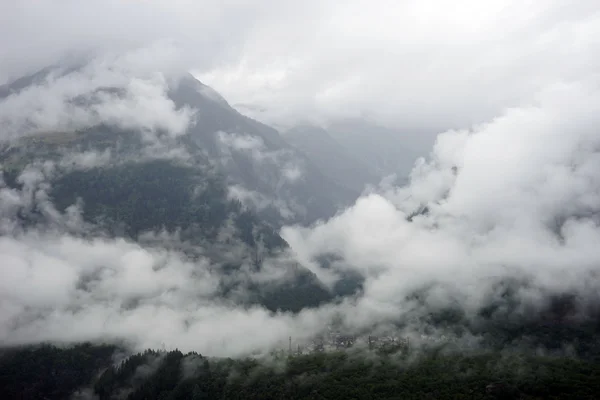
255,157
383,149
331,157
136,181
261,168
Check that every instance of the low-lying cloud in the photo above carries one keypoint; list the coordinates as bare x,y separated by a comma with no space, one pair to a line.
101,91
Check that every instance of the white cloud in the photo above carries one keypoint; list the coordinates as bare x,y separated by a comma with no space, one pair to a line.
256,201
69,289
253,144
286,160
413,64
292,172
86,159
111,90
524,202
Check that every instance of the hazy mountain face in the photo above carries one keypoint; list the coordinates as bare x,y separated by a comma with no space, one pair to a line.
386,151
358,153
261,168
332,158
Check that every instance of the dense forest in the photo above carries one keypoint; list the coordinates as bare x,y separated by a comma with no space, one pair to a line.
89,371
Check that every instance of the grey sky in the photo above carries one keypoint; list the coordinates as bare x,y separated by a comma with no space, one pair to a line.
425,63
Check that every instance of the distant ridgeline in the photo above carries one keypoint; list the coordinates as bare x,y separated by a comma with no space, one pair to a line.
87,371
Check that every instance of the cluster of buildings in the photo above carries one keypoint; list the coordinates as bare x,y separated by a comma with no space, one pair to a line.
335,340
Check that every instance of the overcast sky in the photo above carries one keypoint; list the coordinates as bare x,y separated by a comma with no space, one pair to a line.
423,63
512,183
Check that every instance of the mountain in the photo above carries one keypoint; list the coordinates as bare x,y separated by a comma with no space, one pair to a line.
261,169
281,182
385,150
219,189
331,157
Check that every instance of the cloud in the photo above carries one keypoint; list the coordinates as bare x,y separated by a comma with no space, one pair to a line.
67,289
243,143
286,159
113,90
414,64
280,168
517,197
118,25
67,281
86,159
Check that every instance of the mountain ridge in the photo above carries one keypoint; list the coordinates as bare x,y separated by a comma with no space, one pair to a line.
128,181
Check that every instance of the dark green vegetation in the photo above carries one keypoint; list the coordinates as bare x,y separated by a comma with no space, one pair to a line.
158,195
51,373
558,322
130,196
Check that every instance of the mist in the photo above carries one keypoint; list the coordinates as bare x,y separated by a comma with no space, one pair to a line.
510,190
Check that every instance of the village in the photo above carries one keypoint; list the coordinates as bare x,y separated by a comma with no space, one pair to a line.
335,340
